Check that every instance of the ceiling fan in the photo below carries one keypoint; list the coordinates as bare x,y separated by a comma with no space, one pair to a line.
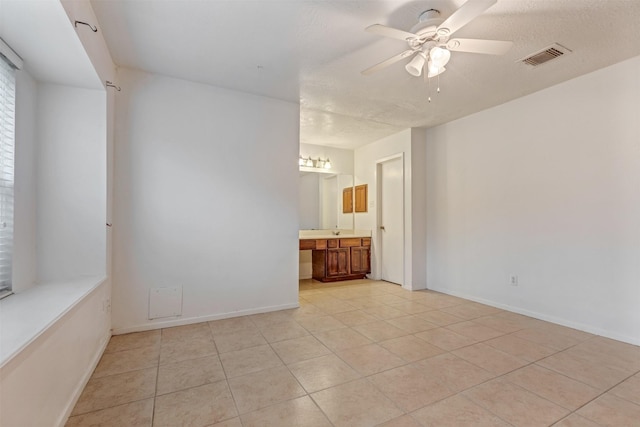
429,40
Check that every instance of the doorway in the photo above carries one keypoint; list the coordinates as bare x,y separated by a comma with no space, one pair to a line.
390,221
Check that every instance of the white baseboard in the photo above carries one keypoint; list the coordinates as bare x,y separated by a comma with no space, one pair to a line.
542,316
188,321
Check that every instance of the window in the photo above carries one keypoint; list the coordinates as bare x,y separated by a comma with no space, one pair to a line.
7,150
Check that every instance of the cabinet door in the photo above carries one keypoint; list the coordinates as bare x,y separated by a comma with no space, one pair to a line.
337,262
360,260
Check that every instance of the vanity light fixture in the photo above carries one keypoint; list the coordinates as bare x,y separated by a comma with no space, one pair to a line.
318,163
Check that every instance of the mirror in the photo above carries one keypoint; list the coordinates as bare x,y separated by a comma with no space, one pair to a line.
321,201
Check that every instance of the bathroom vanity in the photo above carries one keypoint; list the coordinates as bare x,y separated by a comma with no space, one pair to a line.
342,256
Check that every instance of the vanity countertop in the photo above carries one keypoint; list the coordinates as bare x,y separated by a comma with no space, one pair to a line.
331,234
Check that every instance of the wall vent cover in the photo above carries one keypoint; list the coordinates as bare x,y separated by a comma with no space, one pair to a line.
545,55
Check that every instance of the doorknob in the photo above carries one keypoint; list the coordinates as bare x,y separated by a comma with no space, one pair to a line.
382,228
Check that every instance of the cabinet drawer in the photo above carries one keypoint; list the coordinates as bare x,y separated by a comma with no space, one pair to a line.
332,243
347,243
307,244
366,241
321,244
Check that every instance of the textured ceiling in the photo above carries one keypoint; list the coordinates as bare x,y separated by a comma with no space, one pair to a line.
312,52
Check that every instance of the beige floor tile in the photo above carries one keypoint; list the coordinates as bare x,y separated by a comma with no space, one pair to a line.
264,388
457,411
114,390
196,331
127,360
403,421
306,311
566,331
490,359
474,330
370,359
445,338
135,414
380,331
233,422
133,340
353,318
411,348
412,324
629,389
515,404
283,331
232,325
198,406
622,356
383,312
440,318
299,349
471,310
264,319
189,373
500,323
340,339
547,338
609,410
300,412
356,404
593,373
321,323
254,359
520,348
438,300
323,372
364,303
575,420
411,307
176,351
337,306
552,386
239,340
454,372
523,322
409,388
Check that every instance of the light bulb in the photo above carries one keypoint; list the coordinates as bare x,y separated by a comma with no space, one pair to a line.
434,70
301,161
415,66
327,164
439,56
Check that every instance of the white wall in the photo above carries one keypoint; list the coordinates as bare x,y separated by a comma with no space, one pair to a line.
366,158
25,202
546,187
206,198
71,182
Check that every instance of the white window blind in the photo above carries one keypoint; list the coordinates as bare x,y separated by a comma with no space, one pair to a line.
7,150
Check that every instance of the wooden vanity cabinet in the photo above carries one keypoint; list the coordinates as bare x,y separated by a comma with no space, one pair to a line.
340,259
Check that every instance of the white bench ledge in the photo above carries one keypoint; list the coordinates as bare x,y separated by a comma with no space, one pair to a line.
26,315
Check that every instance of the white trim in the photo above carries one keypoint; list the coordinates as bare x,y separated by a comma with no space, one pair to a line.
540,316
188,321
13,58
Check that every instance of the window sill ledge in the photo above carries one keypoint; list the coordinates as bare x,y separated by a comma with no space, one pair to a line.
26,315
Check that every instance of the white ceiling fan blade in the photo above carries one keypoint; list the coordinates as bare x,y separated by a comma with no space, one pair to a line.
490,47
394,33
461,17
393,59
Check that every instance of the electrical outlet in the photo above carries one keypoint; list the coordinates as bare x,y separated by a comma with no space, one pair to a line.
513,280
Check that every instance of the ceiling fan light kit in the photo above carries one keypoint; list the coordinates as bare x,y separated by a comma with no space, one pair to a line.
429,42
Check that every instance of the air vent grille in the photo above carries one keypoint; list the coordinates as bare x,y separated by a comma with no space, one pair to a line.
545,55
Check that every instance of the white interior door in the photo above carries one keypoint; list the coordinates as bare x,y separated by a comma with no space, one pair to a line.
391,219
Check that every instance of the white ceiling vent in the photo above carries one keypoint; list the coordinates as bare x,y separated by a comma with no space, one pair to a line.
545,55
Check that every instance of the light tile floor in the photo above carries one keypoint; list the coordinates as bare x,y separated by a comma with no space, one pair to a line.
365,353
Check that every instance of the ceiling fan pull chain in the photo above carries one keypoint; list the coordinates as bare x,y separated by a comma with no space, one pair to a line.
438,83
429,89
